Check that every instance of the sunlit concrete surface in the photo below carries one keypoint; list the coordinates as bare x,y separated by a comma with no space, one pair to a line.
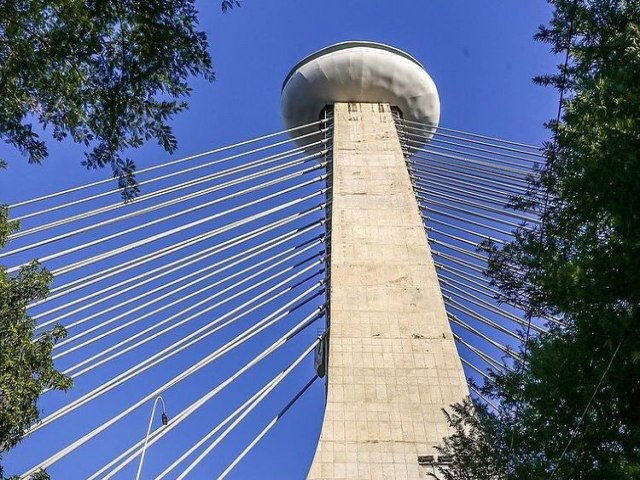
393,364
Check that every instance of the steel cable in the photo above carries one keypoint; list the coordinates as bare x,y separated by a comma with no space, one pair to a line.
167,164
182,263
158,220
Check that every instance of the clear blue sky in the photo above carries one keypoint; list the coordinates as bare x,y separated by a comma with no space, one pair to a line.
482,58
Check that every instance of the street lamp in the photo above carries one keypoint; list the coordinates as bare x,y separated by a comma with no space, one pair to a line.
165,421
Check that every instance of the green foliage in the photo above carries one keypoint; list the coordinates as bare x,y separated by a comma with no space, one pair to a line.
109,75
229,4
475,430
39,475
582,263
26,367
6,227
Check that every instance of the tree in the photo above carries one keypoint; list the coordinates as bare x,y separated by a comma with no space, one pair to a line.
109,75
572,410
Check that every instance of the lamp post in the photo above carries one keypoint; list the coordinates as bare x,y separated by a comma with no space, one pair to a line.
165,420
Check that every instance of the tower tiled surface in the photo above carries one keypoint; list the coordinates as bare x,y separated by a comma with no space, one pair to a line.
393,364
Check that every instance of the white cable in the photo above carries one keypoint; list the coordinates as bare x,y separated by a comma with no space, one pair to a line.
479,206
481,236
480,172
117,251
126,302
246,412
476,280
194,334
171,189
266,429
426,177
467,221
466,199
470,134
473,191
174,188
483,398
256,328
181,300
475,368
470,298
197,445
206,334
417,168
458,261
167,164
158,357
474,286
164,177
467,193
175,380
215,430
422,200
200,206
452,304
493,363
166,270
438,138
201,401
175,230
468,150
144,448
515,171
115,270
454,319
248,448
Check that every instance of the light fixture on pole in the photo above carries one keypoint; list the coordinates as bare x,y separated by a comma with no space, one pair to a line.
165,421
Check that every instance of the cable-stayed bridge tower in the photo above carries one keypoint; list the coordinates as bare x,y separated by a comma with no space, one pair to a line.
392,361
343,247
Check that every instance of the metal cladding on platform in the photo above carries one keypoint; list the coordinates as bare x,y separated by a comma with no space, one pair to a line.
362,72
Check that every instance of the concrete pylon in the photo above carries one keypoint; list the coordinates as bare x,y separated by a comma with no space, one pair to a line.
392,363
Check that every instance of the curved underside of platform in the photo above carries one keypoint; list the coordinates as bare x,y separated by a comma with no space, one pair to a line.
362,72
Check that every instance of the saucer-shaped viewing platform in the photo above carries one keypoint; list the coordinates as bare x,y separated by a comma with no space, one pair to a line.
363,72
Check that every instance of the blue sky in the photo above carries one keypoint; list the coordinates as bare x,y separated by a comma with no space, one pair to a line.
481,56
